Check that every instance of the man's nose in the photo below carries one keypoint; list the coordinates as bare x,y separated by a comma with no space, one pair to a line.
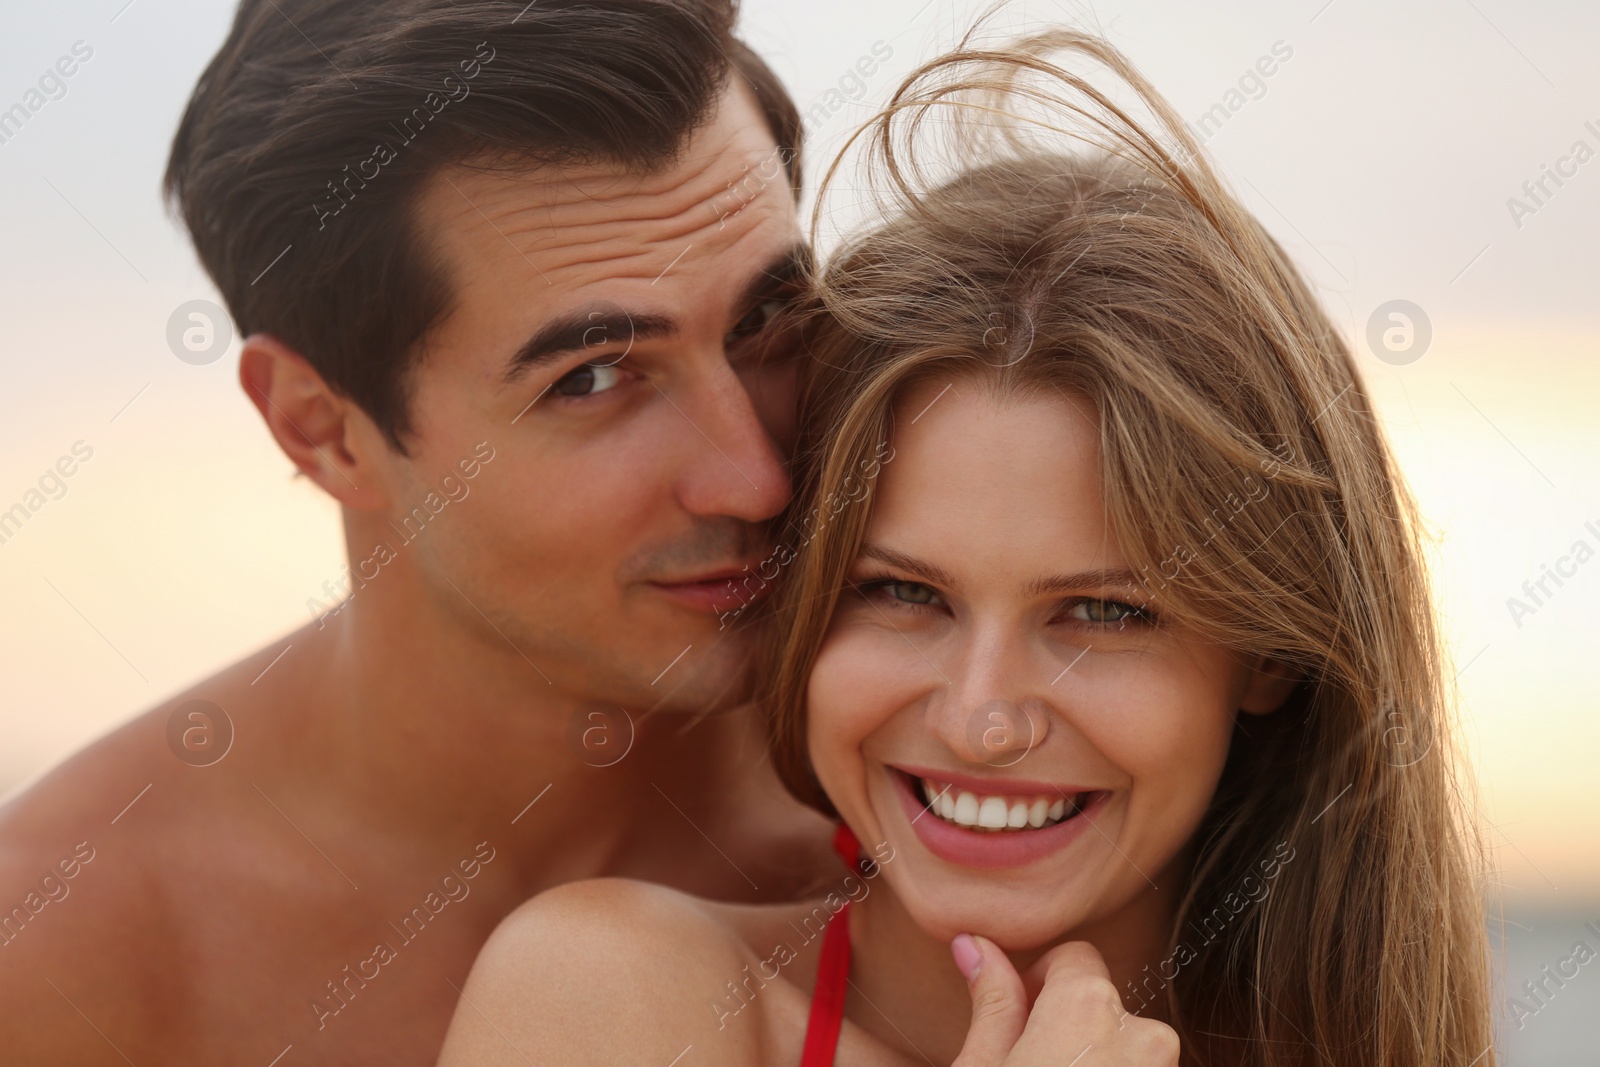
737,470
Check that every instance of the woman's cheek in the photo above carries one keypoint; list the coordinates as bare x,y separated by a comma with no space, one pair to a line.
1170,732
854,689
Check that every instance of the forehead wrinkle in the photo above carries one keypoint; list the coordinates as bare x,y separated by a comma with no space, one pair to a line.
620,268
631,244
620,225
632,219
633,202
651,240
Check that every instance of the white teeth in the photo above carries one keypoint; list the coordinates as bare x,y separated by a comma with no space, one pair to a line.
1038,812
994,813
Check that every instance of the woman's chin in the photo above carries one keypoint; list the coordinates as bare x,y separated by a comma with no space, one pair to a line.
942,917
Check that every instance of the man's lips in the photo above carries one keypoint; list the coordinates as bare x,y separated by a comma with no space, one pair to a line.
719,591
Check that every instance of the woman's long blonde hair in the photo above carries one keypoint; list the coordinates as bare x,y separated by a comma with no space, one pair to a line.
1128,273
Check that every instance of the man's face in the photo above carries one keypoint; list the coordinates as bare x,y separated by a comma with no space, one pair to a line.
608,342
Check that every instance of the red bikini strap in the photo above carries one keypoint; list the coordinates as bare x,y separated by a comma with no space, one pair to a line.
848,848
833,970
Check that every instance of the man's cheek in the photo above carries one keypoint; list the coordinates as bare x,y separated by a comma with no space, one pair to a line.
772,388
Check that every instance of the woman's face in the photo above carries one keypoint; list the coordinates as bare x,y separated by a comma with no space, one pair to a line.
997,664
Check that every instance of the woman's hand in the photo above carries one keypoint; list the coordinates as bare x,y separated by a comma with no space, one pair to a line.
1077,1019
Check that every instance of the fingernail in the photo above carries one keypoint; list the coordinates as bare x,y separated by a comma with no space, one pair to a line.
969,958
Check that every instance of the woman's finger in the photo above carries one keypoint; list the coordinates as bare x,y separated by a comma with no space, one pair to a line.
1070,958
1078,1017
999,1005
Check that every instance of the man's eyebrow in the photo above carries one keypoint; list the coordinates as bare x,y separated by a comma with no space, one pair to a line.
1056,583
600,325
789,267
586,328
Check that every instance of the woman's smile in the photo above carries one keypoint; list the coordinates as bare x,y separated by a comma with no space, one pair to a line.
992,824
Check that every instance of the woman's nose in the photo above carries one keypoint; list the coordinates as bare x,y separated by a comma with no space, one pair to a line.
991,713
1001,732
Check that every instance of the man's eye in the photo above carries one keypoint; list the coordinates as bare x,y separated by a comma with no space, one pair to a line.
587,380
755,320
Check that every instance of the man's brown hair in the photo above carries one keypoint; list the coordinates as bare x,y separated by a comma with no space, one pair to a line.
309,136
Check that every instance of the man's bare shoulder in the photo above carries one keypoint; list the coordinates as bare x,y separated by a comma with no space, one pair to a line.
91,939
75,792
617,971
98,785
81,919
102,791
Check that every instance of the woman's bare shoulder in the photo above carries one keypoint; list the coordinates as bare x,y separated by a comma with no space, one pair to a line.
608,971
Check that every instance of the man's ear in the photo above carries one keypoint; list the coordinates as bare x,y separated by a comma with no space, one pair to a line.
1268,685
327,436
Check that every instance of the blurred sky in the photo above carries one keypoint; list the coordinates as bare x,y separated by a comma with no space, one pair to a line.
1382,152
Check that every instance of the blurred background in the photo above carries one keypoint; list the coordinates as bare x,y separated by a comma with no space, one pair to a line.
1434,167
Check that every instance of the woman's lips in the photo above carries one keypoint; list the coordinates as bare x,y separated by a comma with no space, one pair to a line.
993,849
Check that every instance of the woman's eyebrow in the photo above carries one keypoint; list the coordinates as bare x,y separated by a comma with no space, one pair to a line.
1052,584
929,572
1093,579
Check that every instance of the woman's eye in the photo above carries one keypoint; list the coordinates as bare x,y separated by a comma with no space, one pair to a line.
1113,612
587,380
755,320
914,593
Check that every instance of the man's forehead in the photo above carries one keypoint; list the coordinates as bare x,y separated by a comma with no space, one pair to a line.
726,166
533,251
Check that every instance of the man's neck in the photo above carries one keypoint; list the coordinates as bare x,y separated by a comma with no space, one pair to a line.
412,726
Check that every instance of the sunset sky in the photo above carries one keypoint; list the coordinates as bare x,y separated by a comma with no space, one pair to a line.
1388,152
